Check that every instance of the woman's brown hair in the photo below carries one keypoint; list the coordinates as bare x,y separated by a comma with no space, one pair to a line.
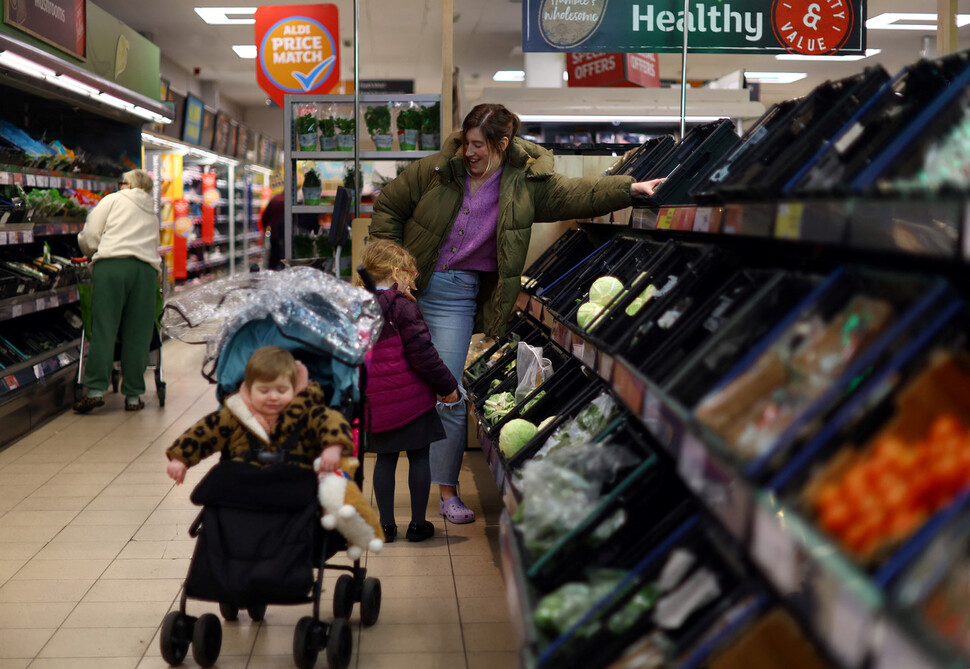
495,122
381,257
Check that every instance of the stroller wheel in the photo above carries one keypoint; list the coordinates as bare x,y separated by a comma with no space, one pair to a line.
343,596
340,644
307,639
256,611
174,637
370,601
229,611
207,639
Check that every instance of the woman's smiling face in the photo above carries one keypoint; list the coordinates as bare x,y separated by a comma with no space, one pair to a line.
478,156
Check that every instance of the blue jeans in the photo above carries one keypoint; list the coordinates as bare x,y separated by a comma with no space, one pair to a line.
448,305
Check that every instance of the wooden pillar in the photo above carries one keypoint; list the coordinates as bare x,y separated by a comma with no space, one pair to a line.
448,65
946,27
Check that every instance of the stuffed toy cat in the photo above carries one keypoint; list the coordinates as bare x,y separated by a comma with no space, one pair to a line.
346,510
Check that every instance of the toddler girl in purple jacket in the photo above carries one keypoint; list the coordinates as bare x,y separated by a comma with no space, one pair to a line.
405,380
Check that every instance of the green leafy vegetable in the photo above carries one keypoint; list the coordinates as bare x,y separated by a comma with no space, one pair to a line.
604,289
514,435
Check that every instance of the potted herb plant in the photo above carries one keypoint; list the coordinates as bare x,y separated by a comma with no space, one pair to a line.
346,127
408,127
378,120
306,132
431,127
311,187
328,130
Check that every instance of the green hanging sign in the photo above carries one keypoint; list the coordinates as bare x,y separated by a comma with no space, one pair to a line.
806,27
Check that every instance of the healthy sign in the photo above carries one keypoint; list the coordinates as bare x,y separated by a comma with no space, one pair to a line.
807,27
297,49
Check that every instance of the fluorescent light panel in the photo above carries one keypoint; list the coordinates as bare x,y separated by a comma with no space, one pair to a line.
913,21
774,77
245,50
509,75
605,118
221,15
795,56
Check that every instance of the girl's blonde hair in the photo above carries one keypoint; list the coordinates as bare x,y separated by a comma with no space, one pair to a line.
268,363
381,257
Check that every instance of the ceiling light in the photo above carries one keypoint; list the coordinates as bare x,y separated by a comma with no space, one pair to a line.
604,118
774,77
220,15
795,56
245,50
70,84
21,64
924,22
509,75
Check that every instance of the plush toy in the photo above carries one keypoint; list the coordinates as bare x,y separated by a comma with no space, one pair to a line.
346,510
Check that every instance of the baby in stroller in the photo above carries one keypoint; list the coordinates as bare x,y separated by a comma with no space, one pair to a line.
259,535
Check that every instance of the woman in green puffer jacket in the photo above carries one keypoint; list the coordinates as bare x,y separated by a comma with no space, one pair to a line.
466,215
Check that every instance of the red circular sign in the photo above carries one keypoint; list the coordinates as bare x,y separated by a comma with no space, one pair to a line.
812,27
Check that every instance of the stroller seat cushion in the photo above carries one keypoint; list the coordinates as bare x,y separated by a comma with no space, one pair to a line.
242,485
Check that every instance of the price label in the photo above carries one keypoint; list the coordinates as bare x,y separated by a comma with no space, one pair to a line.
666,218
40,304
3,238
702,219
16,310
12,382
788,222
850,629
589,355
692,462
28,236
577,348
535,309
651,408
522,302
64,359
42,181
894,650
773,548
606,363
68,183
18,179
38,371
6,178
31,179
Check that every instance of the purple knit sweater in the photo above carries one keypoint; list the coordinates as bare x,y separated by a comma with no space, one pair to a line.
404,371
471,244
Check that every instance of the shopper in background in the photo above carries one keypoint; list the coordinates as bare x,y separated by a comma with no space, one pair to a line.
272,222
405,377
120,236
466,214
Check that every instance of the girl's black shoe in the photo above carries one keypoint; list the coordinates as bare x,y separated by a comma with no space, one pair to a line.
390,532
420,531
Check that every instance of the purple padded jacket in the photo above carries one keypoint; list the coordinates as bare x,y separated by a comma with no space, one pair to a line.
404,372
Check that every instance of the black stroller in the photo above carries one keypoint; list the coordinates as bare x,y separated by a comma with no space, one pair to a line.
259,538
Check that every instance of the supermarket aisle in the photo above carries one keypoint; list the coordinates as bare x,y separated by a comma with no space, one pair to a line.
94,546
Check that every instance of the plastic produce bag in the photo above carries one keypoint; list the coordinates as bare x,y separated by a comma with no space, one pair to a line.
564,607
532,369
582,429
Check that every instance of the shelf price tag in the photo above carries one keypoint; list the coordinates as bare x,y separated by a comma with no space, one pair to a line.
16,310
788,222
702,219
589,355
692,462
773,548
627,386
31,179
38,371
535,309
6,178
522,302
42,181
893,650
606,366
666,218
28,236
40,304
850,628
3,238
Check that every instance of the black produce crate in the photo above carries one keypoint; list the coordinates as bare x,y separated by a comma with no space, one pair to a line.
702,319
563,294
641,160
761,131
486,367
705,366
877,124
691,161
760,174
565,253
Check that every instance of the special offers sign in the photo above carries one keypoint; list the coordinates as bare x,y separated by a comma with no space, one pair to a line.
808,27
297,49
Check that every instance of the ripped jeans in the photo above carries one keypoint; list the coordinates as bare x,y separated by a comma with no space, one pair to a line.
448,305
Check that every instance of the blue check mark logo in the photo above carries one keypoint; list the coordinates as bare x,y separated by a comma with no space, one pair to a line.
309,80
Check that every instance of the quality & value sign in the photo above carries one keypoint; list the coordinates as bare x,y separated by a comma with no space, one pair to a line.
297,49
806,27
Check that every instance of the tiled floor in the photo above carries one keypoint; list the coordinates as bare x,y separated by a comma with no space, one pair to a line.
94,547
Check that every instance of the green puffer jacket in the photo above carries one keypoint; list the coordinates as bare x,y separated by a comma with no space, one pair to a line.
418,208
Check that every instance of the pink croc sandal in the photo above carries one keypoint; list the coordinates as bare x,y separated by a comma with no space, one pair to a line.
455,510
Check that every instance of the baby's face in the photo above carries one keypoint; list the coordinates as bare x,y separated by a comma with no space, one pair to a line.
271,396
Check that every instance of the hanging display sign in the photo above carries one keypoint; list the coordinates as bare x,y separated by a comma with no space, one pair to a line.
806,27
613,69
210,196
182,228
297,49
60,23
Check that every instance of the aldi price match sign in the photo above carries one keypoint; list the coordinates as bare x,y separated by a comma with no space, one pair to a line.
806,27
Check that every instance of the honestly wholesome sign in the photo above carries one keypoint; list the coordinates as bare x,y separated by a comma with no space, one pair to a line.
297,49
808,27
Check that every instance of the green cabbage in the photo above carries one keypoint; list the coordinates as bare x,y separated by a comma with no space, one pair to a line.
514,435
587,313
634,307
546,421
604,289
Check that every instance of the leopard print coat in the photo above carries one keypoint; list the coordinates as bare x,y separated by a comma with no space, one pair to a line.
226,430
